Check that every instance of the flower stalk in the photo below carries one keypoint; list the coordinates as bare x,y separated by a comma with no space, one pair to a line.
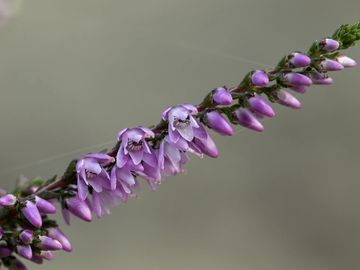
97,182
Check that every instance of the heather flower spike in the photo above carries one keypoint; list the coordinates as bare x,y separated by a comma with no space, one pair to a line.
97,182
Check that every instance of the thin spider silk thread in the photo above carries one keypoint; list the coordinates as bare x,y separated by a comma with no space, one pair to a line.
55,157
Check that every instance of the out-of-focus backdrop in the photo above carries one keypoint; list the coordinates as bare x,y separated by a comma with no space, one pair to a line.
72,73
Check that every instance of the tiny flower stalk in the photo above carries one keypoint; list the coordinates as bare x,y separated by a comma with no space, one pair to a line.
97,182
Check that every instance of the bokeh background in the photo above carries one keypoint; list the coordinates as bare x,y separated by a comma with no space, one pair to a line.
72,73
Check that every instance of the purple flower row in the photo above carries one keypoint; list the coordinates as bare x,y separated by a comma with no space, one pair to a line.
102,181
154,154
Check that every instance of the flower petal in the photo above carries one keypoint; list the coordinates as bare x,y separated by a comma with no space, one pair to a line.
187,133
82,188
121,159
136,156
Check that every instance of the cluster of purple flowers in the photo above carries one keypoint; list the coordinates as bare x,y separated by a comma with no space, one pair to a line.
34,241
153,155
102,181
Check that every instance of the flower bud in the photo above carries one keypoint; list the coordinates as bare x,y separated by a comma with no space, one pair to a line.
47,243
1,232
17,265
347,62
219,123
79,208
329,44
66,215
57,234
37,259
299,60
32,214
260,78
296,79
321,78
26,236
261,106
44,206
286,99
331,65
47,255
246,119
7,200
222,96
5,251
207,146
24,251
299,89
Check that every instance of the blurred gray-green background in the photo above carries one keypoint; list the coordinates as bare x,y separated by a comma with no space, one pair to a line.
72,73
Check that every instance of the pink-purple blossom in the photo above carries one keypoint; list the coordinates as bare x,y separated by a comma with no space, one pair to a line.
91,173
